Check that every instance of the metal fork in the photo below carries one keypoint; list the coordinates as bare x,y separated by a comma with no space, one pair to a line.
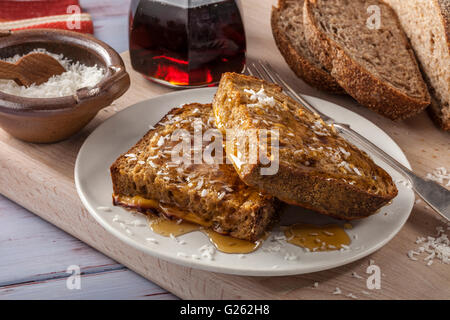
431,192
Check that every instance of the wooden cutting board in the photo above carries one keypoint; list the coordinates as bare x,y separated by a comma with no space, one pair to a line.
40,178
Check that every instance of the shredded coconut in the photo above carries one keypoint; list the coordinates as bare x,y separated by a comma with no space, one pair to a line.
207,251
106,209
151,240
182,255
260,98
290,257
199,184
130,155
136,223
345,165
337,291
319,129
440,175
76,77
221,195
357,171
404,183
345,152
437,247
160,142
236,161
151,163
116,219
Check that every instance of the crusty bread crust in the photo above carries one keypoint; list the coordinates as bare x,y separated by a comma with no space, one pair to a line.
318,193
301,66
410,16
362,85
435,110
328,193
444,5
243,213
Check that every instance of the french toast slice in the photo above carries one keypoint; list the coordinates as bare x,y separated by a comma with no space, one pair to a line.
317,169
149,178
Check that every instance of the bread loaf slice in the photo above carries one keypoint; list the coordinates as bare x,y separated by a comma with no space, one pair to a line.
149,179
427,25
377,67
289,35
317,169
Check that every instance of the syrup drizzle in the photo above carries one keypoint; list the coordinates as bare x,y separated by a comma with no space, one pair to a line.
224,243
311,237
229,244
317,238
166,227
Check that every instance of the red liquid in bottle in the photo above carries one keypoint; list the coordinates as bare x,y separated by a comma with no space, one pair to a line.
185,42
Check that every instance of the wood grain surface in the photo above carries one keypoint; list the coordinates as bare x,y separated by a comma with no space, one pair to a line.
40,178
34,252
35,256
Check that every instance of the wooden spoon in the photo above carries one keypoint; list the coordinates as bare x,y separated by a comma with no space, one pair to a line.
34,68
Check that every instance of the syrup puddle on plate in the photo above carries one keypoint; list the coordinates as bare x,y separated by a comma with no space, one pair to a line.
166,227
317,238
229,244
311,237
223,243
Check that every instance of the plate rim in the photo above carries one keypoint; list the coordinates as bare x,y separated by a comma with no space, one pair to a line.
218,268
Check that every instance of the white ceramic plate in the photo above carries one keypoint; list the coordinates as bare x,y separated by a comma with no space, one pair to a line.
123,130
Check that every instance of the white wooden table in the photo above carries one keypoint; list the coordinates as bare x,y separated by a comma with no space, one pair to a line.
35,255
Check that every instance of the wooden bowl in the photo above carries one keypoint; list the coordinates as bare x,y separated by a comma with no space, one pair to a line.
46,120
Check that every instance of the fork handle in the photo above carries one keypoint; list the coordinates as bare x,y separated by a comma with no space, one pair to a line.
431,192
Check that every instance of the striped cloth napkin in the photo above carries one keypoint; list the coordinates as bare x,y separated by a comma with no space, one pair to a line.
54,14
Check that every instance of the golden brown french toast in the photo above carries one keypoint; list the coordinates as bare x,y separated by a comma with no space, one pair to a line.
317,169
149,178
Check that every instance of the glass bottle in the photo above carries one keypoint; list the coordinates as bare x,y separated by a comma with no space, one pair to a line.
186,43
